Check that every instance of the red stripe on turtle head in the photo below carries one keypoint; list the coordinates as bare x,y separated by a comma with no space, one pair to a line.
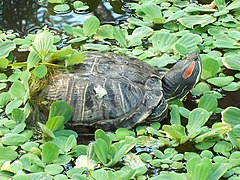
188,72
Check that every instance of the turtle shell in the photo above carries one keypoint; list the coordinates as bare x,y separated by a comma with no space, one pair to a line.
108,91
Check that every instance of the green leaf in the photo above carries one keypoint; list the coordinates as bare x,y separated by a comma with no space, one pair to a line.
198,169
61,7
106,31
13,139
40,71
79,6
4,98
234,5
61,54
231,116
200,88
17,90
122,133
100,134
55,123
32,59
162,41
61,108
18,115
195,8
6,47
43,43
190,21
208,102
120,36
222,147
53,169
233,86
210,67
189,41
177,132
100,174
50,152
70,143
101,149
221,81
75,58
8,154
175,115
197,118
138,34
3,63
232,62
91,25
12,105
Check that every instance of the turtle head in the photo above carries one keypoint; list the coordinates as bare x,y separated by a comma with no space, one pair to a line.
180,79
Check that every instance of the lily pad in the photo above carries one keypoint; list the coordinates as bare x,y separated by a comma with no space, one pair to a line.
232,62
61,7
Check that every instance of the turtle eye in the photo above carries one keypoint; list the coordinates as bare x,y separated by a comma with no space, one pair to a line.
188,72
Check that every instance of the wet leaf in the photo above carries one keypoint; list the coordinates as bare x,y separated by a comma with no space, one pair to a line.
50,152
208,102
6,47
231,115
40,71
221,81
91,25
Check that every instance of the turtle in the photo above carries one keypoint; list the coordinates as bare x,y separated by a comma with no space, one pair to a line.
110,90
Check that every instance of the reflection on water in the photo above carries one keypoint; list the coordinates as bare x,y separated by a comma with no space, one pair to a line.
24,16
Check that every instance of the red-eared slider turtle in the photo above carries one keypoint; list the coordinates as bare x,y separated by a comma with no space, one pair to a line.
109,91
